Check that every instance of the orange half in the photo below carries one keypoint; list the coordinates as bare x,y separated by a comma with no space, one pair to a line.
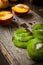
5,16
21,8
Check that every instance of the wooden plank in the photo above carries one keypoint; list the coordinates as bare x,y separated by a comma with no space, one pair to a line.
14,55
3,60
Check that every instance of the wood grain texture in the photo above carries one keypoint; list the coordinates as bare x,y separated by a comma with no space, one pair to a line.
17,56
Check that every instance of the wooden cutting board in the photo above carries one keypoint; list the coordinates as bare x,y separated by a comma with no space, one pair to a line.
14,55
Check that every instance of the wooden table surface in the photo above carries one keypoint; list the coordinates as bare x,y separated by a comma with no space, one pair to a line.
14,55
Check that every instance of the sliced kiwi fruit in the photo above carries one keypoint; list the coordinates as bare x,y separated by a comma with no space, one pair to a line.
35,49
21,37
38,30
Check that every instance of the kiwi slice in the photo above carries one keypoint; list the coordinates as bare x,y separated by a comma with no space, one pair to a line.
38,31
35,49
38,26
21,38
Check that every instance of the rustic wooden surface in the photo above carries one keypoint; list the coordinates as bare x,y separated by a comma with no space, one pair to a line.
14,55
